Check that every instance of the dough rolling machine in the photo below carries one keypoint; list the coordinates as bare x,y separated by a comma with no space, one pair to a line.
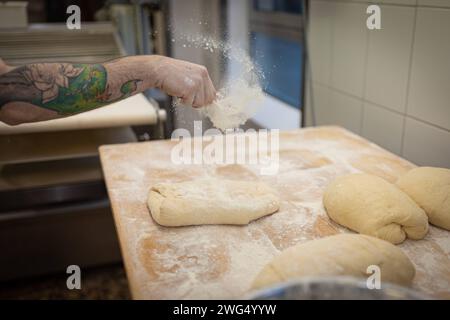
52,195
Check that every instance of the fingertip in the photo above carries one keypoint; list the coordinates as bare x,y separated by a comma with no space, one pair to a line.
212,97
188,101
210,100
198,104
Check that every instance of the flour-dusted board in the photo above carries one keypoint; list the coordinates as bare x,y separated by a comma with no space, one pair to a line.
213,262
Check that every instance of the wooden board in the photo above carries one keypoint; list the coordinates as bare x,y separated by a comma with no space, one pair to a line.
221,261
133,111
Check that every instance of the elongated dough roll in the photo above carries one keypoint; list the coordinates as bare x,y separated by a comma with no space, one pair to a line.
338,255
370,205
430,188
211,201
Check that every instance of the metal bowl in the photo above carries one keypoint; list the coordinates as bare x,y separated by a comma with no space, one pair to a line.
334,288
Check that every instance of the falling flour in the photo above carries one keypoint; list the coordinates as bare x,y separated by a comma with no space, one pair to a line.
241,95
234,105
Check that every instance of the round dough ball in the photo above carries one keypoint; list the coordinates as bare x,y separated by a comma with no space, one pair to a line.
211,201
430,189
338,255
370,205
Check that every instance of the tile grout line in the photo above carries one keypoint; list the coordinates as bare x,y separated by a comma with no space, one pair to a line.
428,123
381,106
332,60
389,4
408,85
333,33
363,98
366,64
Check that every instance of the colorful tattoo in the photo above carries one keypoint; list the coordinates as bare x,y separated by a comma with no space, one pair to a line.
63,87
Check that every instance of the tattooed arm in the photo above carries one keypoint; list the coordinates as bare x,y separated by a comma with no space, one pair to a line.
45,91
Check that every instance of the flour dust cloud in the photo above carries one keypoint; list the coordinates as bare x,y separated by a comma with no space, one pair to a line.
240,96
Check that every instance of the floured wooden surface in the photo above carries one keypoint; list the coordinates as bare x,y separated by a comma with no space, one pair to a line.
222,261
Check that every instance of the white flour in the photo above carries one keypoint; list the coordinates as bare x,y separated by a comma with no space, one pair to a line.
222,261
241,95
235,105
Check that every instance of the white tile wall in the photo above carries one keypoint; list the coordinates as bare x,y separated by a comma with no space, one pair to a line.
426,145
345,111
429,94
334,108
320,37
404,2
349,47
383,127
307,111
388,58
322,105
437,3
382,61
408,2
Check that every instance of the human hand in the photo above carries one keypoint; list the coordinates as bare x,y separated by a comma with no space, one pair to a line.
188,81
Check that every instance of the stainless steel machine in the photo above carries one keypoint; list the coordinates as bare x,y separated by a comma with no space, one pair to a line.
54,209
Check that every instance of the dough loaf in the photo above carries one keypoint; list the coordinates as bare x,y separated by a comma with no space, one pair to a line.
211,201
370,205
430,189
338,255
